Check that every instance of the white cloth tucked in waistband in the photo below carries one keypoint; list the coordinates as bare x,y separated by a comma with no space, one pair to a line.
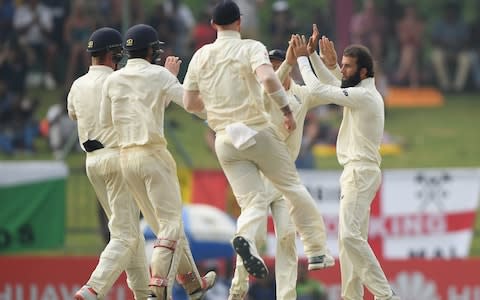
241,135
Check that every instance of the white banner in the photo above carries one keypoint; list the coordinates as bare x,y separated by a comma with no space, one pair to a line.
418,213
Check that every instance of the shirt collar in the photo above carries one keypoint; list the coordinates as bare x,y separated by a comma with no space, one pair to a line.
367,82
228,34
100,68
136,62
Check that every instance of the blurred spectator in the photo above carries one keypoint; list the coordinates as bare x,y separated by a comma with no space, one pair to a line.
18,125
249,11
307,288
450,48
263,289
475,46
33,23
409,31
7,101
282,25
60,9
317,130
13,67
305,159
78,27
165,26
60,127
203,32
111,13
184,22
7,10
368,28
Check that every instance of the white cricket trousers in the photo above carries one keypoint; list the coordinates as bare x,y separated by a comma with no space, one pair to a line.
151,174
359,182
270,156
286,260
126,248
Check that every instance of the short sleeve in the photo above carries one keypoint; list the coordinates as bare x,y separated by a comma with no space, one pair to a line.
190,83
258,55
71,103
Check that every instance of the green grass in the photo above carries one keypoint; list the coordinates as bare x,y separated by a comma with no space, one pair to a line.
434,137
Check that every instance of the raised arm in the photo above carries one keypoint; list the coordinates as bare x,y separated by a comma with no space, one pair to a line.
172,64
333,94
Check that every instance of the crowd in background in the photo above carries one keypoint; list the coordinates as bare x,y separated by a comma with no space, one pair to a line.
42,45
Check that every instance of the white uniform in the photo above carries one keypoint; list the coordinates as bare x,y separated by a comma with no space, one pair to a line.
134,100
358,146
300,101
126,248
223,73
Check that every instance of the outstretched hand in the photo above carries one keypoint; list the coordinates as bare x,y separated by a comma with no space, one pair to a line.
172,64
313,40
290,56
299,45
327,52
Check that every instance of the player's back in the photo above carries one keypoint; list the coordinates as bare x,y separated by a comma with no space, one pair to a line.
225,73
138,94
84,101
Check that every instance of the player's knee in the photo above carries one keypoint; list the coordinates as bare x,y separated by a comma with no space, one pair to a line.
252,199
349,241
287,239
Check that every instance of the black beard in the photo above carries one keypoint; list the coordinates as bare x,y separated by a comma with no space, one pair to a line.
352,80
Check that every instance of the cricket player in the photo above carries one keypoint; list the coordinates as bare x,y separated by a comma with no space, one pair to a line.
133,102
358,147
301,101
126,249
223,78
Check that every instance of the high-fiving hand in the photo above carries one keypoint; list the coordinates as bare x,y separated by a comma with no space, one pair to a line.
327,52
299,45
172,64
313,40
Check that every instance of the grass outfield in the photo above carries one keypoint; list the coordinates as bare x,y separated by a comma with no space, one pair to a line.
434,137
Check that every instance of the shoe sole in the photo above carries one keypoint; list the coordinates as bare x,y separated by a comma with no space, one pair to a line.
253,264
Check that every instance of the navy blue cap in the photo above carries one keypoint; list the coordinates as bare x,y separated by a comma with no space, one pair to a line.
225,12
104,39
277,54
141,36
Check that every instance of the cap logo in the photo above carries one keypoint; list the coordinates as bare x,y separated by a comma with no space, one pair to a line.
90,44
129,42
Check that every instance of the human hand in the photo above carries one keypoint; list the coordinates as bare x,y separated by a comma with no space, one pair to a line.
313,40
290,56
172,64
327,52
289,122
299,45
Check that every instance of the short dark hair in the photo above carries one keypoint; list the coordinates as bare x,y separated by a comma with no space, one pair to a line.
140,53
363,56
225,12
100,53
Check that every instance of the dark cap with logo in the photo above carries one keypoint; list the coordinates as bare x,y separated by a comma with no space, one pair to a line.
141,36
277,54
225,12
104,39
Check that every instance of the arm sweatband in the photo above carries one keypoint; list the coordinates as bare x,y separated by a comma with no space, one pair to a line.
280,97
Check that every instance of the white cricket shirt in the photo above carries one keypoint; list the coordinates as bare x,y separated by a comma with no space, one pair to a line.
362,126
134,100
224,74
83,104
